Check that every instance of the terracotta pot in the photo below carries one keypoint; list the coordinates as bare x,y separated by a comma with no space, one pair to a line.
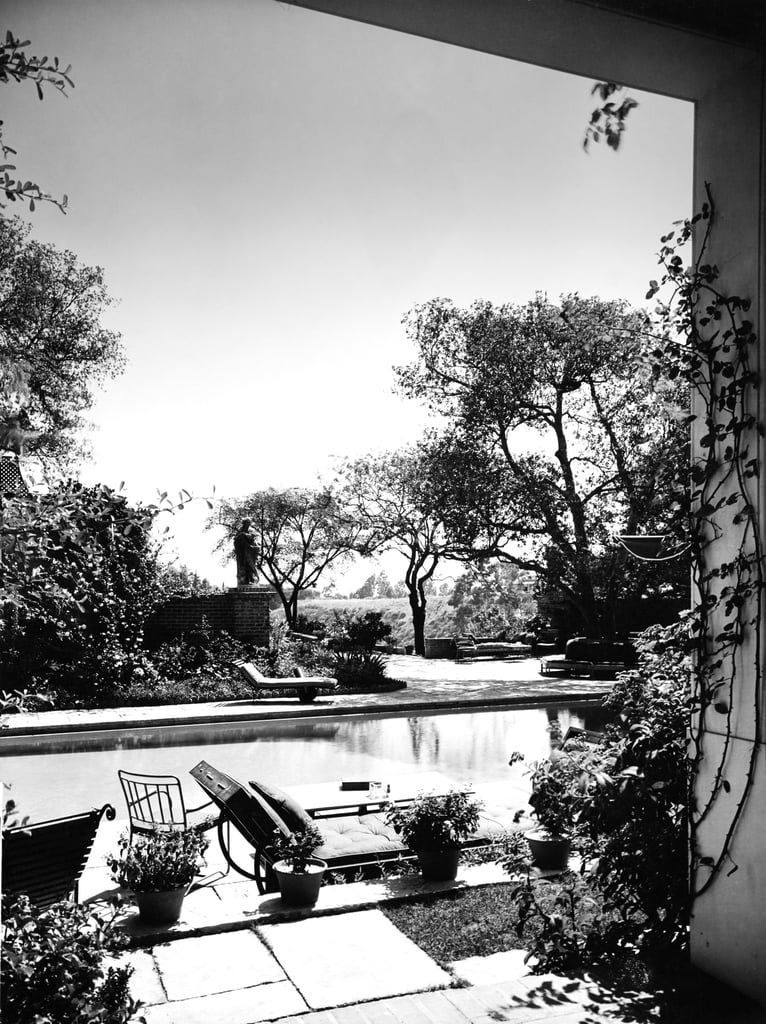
160,907
549,853
439,865
300,889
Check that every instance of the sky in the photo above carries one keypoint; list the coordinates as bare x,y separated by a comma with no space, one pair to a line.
269,191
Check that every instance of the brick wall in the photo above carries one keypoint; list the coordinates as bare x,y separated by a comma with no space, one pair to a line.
241,611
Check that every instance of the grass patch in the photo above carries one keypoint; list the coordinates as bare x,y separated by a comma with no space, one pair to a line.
475,922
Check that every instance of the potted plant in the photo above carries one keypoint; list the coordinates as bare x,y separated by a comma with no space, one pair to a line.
433,827
558,785
299,875
159,869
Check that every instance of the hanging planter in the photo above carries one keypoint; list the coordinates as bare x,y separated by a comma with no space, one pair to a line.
647,545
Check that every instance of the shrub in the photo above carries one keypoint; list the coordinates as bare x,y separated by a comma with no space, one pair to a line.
634,824
631,906
358,668
79,581
55,967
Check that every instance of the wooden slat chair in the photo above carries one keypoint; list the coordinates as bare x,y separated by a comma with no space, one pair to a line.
44,861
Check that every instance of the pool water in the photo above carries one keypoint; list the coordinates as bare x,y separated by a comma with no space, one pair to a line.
52,776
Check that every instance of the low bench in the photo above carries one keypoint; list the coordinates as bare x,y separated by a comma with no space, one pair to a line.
468,646
307,687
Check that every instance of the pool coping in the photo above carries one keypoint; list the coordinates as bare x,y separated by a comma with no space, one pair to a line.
110,719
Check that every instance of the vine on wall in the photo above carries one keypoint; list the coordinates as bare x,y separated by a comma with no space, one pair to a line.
708,341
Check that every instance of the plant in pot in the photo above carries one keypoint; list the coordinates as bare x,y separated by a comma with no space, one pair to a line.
434,826
159,869
558,786
299,875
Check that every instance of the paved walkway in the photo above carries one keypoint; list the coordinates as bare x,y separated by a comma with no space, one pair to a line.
240,958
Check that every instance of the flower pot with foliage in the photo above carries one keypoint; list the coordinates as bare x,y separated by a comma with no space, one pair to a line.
434,826
299,875
558,785
159,869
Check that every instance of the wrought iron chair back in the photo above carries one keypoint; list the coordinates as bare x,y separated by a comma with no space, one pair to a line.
155,802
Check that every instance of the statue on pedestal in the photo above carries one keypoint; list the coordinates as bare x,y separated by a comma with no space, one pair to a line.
246,553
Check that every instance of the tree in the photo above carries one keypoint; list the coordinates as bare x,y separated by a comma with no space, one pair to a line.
394,495
300,532
559,437
17,66
53,349
378,585
489,597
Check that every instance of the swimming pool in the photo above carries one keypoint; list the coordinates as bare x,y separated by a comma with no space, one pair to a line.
56,775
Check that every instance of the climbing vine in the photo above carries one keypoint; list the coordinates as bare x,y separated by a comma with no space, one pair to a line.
708,341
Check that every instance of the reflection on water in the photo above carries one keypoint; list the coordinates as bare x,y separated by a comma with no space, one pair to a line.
52,776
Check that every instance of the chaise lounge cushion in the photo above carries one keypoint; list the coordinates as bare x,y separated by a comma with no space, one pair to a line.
289,810
361,836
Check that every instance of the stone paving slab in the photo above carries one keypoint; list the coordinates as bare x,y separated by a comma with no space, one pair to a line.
370,958
229,977
215,963
508,965
242,1006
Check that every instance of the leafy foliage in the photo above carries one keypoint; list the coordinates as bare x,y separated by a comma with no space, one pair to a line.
396,612
55,966
18,66
300,533
608,119
349,632
297,847
608,457
78,581
556,791
395,496
707,342
625,805
491,597
434,822
358,669
634,823
79,578
53,349
158,862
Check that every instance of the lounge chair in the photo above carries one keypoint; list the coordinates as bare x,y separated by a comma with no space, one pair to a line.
352,840
306,687
44,861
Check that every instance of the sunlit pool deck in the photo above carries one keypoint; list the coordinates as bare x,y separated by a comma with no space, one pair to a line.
432,685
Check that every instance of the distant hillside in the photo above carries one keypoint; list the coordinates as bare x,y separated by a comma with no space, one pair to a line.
440,618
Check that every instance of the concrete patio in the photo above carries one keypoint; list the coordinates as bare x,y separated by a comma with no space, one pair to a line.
239,958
